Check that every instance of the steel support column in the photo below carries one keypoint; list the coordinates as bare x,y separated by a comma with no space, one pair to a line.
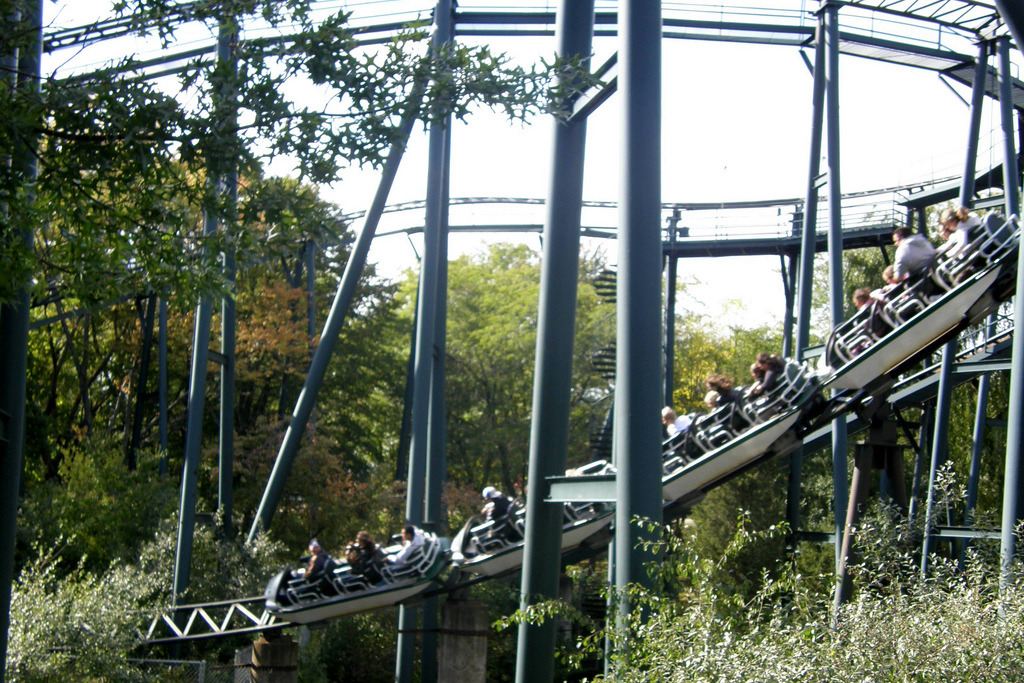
940,437
1012,13
939,446
808,225
219,170
437,455
193,436
14,321
977,447
672,267
310,289
788,271
335,319
162,387
146,323
925,425
552,383
426,455
830,16
1014,434
1010,170
226,54
638,377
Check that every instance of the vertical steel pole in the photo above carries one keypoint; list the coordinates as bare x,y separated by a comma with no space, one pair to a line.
788,271
809,225
425,374
193,436
670,308
810,213
335,319
311,289
556,323
437,456
201,339
426,457
14,320
977,447
1014,433
405,433
162,386
924,432
638,376
1011,174
835,252
939,447
943,401
146,323
227,56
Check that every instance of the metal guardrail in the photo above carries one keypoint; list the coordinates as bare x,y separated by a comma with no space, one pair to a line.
768,219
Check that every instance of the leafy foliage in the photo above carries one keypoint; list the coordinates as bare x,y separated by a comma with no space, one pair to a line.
492,328
955,626
85,625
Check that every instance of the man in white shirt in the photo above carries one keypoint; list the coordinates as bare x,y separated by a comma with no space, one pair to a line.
674,424
412,540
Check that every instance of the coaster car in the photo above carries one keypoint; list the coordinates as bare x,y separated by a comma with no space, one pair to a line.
920,311
738,434
493,547
338,590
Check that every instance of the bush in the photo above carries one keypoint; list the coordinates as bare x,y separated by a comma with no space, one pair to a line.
956,625
82,625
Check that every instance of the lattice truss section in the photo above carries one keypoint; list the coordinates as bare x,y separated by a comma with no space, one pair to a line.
212,620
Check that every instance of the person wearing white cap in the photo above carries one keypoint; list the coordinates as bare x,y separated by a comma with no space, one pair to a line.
497,505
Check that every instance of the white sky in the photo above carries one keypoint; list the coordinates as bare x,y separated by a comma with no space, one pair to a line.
735,126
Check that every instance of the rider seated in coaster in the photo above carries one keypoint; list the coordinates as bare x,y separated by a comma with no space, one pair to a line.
674,424
914,254
726,395
955,226
412,540
882,293
364,557
496,509
861,298
318,558
724,386
766,370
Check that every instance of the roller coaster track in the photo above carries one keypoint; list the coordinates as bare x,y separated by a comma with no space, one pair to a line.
963,20
935,34
982,348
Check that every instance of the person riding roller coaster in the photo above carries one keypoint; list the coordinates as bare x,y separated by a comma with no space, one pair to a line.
914,254
496,510
364,557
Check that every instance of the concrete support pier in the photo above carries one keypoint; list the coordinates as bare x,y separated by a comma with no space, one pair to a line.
464,630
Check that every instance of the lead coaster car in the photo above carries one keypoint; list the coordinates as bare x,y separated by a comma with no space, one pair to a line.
878,338
491,548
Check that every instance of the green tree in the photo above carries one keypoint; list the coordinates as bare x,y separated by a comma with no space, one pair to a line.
491,343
